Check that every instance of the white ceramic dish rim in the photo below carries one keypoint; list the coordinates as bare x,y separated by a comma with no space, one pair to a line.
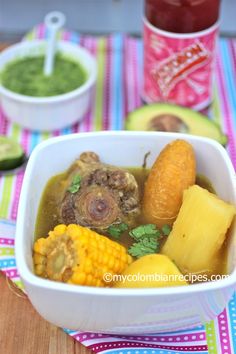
34,280
58,98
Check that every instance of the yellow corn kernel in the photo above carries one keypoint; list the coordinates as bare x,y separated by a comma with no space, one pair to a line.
78,278
110,263
88,266
116,266
99,283
101,246
40,246
93,243
78,255
123,257
59,229
39,269
89,279
39,258
71,230
105,258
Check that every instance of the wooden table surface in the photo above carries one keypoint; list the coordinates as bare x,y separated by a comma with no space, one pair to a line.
23,331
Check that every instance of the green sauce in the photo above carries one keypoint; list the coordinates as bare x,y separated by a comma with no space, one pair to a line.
25,76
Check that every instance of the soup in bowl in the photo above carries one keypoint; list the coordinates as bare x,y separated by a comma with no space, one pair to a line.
99,197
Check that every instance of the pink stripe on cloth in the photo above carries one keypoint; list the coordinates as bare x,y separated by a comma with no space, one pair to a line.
124,86
107,85
77,126
66,35
85,336
191,337
56,133
6,241
40,33
16,191
226,111
91,46
11,273
132,98
130,78
224,332
3,123
137,97
232,46
86,124
100,347
195,338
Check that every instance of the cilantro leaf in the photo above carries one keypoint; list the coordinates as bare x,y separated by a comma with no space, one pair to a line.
114,232
76,179
166,229
75,184
148,230
117,230
147,239
143,247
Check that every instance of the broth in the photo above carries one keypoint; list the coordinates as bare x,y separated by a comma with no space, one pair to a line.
48,217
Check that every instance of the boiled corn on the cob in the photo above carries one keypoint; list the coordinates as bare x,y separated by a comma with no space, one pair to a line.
78,255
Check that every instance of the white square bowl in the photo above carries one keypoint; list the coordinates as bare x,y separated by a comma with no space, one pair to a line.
123,311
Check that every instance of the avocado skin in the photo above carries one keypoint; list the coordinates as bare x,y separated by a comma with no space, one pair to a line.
11,153
197,123
8,164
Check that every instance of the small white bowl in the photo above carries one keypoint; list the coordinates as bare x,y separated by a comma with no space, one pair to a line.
48,113
124,311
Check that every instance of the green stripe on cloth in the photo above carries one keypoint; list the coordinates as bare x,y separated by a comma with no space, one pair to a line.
9,180
19,284
6,196
211,338
45,136
7,251
217,117
30,35
101,46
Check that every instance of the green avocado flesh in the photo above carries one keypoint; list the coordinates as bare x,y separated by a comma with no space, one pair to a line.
11,153
172,118
25,76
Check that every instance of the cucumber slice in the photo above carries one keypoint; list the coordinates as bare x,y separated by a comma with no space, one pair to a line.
11,153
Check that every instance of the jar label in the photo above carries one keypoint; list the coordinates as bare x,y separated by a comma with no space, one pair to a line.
178,67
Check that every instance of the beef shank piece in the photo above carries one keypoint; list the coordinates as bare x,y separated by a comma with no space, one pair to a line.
107,195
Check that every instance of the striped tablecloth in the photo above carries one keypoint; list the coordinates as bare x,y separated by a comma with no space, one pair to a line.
119,60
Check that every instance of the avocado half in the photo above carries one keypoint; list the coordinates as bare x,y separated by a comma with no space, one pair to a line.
173,118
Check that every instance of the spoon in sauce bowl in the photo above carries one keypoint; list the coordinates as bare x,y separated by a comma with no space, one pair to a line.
53,21
12,157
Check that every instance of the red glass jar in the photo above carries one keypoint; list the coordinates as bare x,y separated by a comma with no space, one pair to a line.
179,49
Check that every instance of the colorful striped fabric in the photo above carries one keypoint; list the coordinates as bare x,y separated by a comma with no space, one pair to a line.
119,60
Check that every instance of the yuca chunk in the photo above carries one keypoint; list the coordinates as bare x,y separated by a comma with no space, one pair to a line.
199,231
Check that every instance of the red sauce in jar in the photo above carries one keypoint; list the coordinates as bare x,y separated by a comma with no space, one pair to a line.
182,16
